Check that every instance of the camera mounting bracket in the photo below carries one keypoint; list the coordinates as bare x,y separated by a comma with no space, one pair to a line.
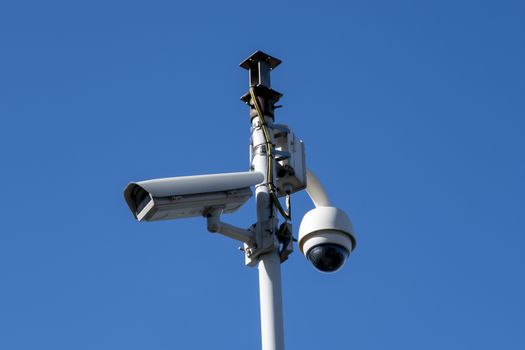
214,223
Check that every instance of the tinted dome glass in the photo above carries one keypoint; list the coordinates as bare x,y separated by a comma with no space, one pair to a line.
327,257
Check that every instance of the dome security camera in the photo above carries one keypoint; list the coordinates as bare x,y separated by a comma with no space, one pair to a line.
326,238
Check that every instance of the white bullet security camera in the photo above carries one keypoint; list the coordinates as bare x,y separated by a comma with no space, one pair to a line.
326,238
188,196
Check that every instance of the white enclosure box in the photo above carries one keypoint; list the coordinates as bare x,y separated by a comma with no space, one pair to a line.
290,161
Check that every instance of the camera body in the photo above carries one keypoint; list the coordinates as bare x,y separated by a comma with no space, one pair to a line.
189,196
326,238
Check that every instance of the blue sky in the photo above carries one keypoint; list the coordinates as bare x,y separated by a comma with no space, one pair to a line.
412,114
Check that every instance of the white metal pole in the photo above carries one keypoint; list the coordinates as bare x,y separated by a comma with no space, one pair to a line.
272,328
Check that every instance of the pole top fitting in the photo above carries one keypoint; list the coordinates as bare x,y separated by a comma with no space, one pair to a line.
260,56
259,66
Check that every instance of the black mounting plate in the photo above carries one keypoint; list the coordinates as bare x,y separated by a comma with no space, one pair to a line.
260,56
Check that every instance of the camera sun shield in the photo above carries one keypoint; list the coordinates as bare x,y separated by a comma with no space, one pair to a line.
189,196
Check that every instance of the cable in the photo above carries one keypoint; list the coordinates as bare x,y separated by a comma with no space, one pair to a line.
289,205
269,171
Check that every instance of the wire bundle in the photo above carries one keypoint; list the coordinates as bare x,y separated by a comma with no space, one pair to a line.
269,171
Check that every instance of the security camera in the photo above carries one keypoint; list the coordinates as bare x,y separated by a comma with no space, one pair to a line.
326,238
279,169
189,196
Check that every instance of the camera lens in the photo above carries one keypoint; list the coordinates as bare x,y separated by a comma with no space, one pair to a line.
327,257
142,198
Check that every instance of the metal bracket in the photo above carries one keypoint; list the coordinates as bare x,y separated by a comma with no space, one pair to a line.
285,237
213,216
265,242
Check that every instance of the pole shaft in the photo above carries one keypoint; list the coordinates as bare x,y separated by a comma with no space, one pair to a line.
272,327
272,330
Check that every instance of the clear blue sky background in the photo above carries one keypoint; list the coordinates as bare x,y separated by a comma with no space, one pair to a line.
412,115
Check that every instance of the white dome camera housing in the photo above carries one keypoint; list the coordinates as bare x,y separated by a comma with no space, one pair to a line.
326,238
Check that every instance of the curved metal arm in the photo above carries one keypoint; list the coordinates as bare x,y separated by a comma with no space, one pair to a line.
315,190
